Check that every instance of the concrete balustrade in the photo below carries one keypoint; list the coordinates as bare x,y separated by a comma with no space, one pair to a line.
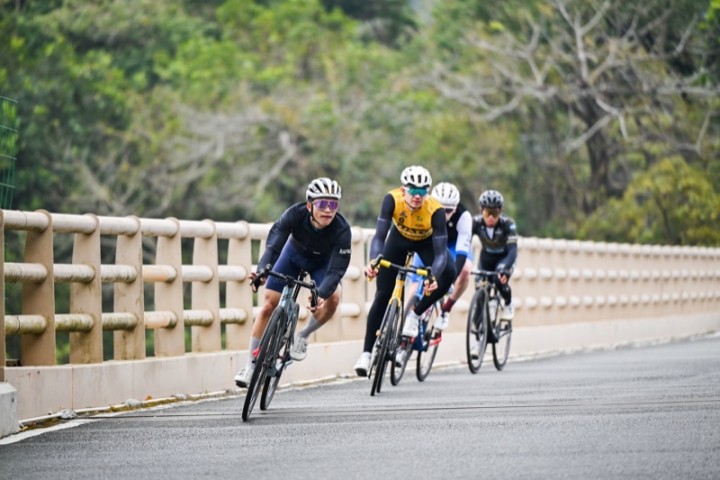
568,294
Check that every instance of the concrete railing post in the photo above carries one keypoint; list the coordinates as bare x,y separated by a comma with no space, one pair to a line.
353,292
86,298
39,298
206,295
170,341
239,294
129,297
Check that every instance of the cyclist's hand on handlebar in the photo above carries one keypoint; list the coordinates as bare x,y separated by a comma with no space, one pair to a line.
371,271
320,303
254,283
430,285
503,275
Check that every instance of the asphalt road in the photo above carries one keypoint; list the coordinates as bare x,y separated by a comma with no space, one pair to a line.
648,412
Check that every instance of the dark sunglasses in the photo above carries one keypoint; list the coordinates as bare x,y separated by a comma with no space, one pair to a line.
422,191
323,204
491,212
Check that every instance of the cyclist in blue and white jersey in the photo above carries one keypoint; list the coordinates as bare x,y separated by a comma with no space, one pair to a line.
459,230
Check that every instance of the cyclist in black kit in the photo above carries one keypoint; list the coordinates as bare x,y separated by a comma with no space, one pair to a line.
310,236
498,236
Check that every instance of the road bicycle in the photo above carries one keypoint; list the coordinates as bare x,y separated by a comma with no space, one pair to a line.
483,324
425,343
388,336
273,354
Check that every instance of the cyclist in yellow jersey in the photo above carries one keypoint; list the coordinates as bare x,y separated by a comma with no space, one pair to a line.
409,220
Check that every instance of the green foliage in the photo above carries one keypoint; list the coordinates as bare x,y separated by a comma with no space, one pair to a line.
390,22
672,203
224,109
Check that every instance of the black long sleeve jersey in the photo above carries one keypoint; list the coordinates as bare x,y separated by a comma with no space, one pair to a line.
500,241
334,240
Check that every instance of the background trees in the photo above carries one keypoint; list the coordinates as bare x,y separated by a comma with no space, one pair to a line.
595,118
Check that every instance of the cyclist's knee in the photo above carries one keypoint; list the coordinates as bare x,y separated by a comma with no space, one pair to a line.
267,308
463,277
332,302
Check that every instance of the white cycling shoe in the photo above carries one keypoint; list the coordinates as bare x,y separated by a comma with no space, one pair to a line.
442,322
298,351
411,329
362,365
242,378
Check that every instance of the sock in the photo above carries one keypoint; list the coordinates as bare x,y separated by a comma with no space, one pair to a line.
311,326
366,354
254,343
447,306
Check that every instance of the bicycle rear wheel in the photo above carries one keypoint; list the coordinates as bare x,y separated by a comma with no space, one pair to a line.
501,347
263,362
382,351
282,357
476,332
430,341
397,370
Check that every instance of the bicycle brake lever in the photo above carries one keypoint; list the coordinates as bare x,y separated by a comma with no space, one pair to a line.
255,284
313,298
375,265
430,279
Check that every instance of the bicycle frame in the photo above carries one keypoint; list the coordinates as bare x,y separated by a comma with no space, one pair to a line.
418,342
389,332
489,328
273,353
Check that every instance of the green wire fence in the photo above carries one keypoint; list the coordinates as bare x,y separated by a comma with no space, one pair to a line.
8,150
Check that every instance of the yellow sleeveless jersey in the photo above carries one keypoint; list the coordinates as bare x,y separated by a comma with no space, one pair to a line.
414,225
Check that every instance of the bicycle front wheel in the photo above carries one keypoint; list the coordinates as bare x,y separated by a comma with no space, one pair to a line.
501,347
283,354
264,361
476,332
384,346
430,341
405,346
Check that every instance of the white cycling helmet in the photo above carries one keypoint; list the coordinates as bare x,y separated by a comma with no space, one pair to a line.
416,176
447,193
323,187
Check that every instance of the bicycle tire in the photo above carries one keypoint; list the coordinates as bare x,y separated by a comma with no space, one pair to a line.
397,371
430,342
476,331
272,381
501,347
383,344
267,351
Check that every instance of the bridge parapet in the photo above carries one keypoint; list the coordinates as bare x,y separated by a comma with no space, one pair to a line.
183,284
